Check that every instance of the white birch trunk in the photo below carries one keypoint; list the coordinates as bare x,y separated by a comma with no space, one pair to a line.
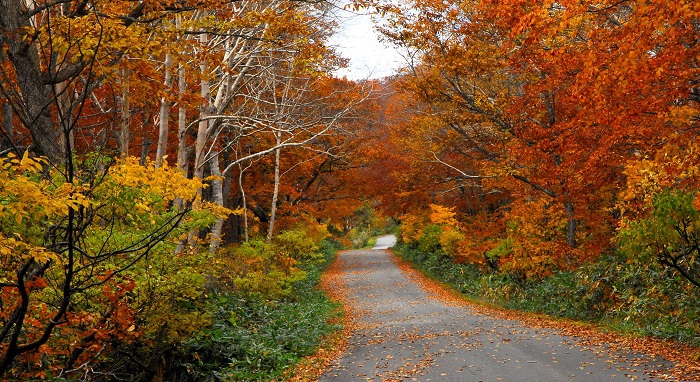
202,129
164,113
275,192
182,140
181,121
182,157
217,196
245,205
200,145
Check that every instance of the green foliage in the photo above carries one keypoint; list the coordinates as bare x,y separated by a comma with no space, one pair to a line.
371,242
358,237
434,230
565,294
258,339
261,269
465,278
392,225
503,249
299,245
669,235
365,216
430,238
365,225
170,293
268,270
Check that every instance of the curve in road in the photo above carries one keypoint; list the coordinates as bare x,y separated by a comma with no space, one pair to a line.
404,333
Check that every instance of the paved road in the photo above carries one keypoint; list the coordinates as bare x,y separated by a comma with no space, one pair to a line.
385,242
404,334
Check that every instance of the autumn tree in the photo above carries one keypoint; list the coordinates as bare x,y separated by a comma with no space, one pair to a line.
67,241
305,122
544,104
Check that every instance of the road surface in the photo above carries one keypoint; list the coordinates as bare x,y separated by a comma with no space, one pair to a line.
404,333
385,242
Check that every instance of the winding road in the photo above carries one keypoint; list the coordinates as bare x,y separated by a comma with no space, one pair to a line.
403,332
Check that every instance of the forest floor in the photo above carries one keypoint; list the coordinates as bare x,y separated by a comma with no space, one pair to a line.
405,327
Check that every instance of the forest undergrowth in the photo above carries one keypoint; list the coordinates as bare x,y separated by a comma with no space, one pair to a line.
258,339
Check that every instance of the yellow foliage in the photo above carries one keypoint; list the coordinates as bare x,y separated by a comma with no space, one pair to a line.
449,236
143,193
30,201
313,229
526,264
450,240
14,249
443,215
26,200
412,228
672,167
167,182
681,115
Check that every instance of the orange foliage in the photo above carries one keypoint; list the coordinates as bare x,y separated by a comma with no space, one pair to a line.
527,114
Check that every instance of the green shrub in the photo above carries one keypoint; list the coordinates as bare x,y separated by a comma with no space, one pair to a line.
430,239
299,245
359,237
257,339
668,236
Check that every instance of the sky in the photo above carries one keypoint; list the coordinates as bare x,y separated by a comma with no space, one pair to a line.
357,40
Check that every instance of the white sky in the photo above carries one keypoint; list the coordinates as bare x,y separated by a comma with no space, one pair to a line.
357,40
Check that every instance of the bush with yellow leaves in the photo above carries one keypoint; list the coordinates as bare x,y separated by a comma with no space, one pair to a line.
88,271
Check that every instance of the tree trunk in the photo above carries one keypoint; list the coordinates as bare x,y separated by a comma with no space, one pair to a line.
8,141
181,112
65,116
200,155
145,146
125,133
571,224
164,113
182,157
227,184
227,187
203,126
275,193
36,95
217,196
181,121
245,205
